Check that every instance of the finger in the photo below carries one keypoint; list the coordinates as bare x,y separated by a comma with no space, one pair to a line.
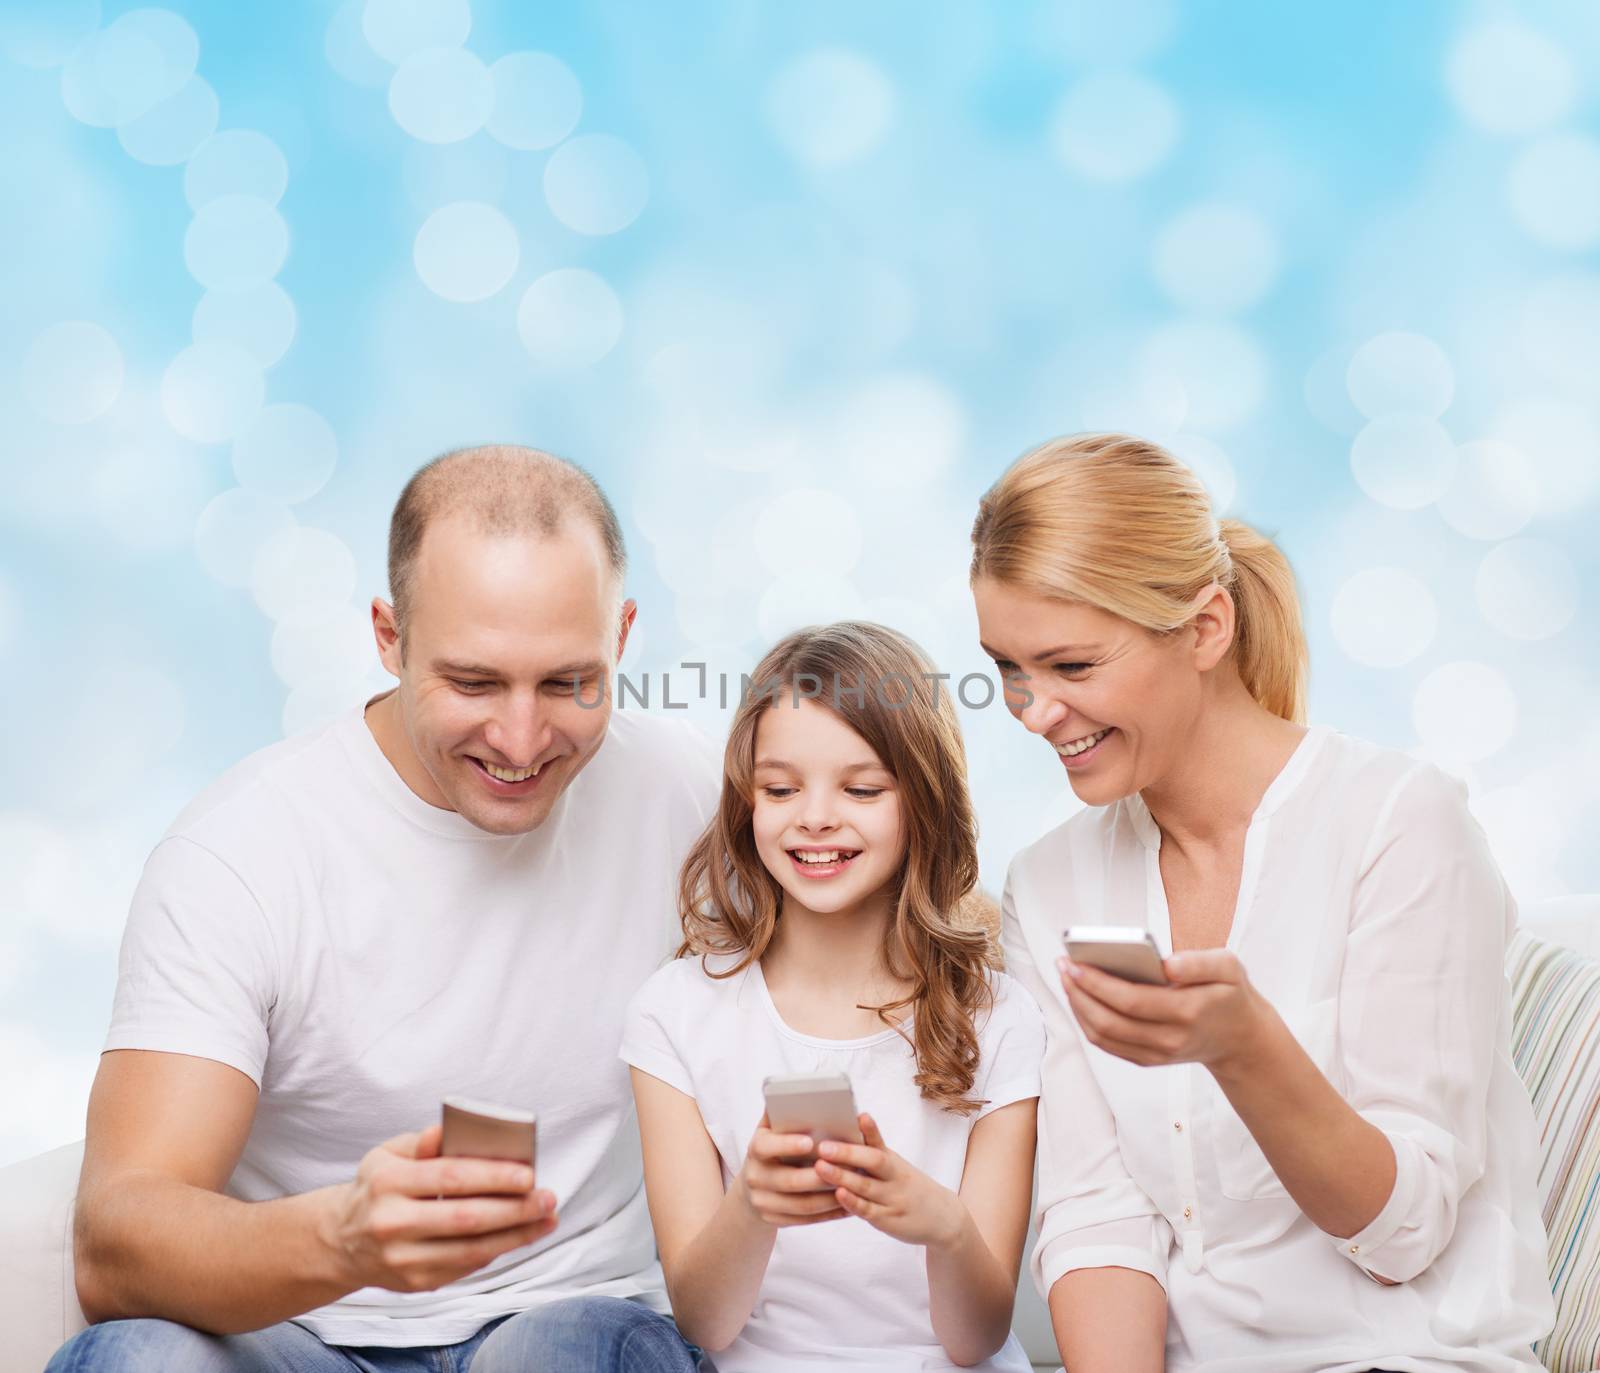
766,1145
786,1178
858,1206
1130,998
870,1132
455,1176
1194,966
784,1223
1103,1025
858,1183
450,1258
861,1157
789,1204
462,1217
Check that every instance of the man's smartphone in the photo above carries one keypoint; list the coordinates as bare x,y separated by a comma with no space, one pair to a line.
821,1105
1116,949
481,1129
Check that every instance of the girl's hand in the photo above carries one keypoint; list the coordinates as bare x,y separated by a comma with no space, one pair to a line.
873,1182
782,1193
1209,1013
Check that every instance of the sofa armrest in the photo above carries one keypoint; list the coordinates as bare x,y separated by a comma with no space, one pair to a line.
38,1297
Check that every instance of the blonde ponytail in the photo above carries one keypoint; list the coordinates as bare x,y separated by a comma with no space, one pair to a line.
1119,523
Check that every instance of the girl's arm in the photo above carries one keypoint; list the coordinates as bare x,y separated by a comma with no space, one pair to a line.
1109,1320
714,1244
973,1239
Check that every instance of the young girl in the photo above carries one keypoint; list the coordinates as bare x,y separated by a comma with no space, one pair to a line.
824,932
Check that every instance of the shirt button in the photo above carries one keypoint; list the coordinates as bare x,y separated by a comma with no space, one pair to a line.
1177,1125
1188,1212
1355,1248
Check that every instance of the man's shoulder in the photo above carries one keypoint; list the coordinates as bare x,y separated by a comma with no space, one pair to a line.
673,758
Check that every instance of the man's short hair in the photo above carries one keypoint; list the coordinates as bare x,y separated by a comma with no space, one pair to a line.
504,489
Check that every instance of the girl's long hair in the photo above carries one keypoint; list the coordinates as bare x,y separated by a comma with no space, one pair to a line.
873,679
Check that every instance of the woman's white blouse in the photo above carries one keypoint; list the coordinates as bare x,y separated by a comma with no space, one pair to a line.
1371,915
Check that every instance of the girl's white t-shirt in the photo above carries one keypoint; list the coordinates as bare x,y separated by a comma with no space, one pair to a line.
840,1293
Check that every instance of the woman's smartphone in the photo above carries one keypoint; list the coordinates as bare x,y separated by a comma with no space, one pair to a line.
821,1105
1116,949
481,1129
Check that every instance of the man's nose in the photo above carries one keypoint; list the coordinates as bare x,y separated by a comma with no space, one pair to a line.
518,736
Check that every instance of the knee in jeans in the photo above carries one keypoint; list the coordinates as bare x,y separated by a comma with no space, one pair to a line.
136,1346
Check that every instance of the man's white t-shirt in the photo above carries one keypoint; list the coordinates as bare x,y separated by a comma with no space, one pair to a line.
359,954
840,1294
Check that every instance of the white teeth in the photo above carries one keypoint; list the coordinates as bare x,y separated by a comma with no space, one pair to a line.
510,774
830,856
1078,746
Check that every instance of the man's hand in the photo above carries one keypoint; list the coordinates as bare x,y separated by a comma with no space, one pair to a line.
412,1221
1209,1013
778,1190
875,1183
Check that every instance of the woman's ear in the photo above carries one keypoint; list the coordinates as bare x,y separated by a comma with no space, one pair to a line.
1214,624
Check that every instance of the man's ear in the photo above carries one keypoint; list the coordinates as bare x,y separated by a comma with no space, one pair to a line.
386,631
1214,623
625,618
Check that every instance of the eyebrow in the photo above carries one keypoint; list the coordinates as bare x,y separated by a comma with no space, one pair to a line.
790,767
1065,650
477,670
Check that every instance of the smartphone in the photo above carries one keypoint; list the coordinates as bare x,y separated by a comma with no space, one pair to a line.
1117,949
821,1105
481,1129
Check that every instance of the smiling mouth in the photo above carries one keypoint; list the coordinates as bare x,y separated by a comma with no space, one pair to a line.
822,862
1074,747
509,779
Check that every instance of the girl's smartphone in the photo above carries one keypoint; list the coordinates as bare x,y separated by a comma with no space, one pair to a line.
821,1105
481,1129
1117,949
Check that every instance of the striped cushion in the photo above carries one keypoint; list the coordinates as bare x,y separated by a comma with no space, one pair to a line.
1556,1044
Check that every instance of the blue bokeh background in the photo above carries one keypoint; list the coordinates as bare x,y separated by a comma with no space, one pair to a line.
795,282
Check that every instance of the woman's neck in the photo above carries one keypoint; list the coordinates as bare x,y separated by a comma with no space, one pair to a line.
822,965
1229,760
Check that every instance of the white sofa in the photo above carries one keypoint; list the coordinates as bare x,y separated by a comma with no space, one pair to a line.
38,1302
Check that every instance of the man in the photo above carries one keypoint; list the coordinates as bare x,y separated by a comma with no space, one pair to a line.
453,891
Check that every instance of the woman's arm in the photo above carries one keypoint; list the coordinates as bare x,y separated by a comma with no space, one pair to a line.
1109,1320
714,1244
972,1238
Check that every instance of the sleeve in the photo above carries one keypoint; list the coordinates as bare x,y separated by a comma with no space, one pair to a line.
197,970
1420,1013
1090,1211
1013,1046
648,1029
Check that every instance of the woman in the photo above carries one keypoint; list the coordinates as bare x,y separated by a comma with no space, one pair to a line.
1310,1150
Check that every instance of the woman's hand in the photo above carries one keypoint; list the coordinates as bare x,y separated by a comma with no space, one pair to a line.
875,1183
779,1191
1209,1013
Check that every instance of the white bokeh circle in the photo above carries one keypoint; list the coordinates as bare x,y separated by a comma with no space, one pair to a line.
72,372
441,95
260,320
210,390
1527,588
569,318
1211,463
348,51
596,184
168,133
1464,712
1401,373
1555,191
301,574
1560,328
830,106
1562,438
1216,258
45,36
1115,126
396,29
1507,78
235,242
1219,366
233,529
1127,33
287,452
1494,493
1403,461
1384,617
466,251
129,67
333,647
147,497
818,598
808,530
236,162
898,429
537,100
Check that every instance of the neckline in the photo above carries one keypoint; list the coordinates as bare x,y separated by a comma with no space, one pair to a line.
1278,789
816,1041
374,764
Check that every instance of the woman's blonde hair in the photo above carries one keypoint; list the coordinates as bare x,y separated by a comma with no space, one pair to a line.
1119,523
873,679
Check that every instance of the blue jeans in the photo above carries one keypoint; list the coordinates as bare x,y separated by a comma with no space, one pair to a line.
577,1335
